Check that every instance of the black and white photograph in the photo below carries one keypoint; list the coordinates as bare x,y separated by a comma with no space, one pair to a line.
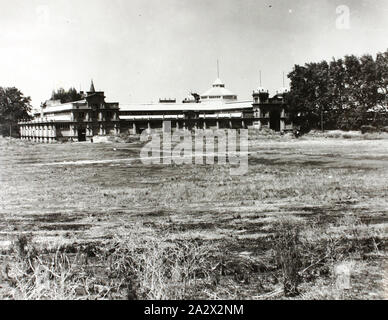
194,150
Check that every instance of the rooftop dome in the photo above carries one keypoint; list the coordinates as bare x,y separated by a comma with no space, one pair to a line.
260,90
218,92
218,83
283,90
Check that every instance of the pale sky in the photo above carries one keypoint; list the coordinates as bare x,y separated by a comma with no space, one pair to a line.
143,50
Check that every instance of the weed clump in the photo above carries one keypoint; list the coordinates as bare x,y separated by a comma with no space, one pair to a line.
155,268
139,264
288,255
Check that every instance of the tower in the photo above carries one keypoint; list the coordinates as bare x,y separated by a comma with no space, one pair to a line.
92,90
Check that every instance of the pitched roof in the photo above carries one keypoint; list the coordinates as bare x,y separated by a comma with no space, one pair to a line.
92,87
218,90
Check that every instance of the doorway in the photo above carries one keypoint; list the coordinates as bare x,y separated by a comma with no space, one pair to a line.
82,134
274,120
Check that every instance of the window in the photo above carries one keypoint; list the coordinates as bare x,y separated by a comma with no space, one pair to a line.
64,126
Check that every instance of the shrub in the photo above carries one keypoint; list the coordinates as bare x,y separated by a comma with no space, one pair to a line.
155,268
368,129
139,264
34,278
288,255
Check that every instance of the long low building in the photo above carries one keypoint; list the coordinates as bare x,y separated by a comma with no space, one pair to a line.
216,108
201,115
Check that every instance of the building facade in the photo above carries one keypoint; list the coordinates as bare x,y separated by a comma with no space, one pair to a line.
73,121
271,113
216,108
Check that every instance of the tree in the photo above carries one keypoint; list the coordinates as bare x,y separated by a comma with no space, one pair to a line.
382,77
346,93
337,90
361,90
382,73
309,95
66,96
297,99
382,91
321,98
14,106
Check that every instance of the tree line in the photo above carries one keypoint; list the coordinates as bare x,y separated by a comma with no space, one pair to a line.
14,106
346,93
65,96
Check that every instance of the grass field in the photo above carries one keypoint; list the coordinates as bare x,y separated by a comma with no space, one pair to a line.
90,221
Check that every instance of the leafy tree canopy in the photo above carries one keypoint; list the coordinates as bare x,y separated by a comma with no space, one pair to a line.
341,93
66,96
14,106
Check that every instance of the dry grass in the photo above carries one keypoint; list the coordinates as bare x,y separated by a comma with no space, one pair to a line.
142,264
339,134
138,265
121,229
288,255
33,278
156,268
